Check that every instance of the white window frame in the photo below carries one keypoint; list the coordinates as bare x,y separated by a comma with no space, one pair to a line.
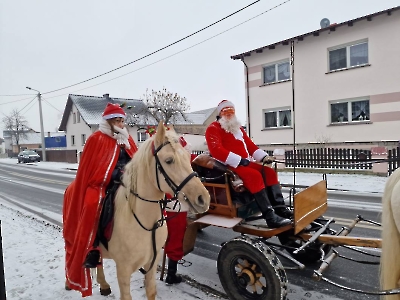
349,110
276,71
78,117
347,46
83,139
72,140
140,134
74,118
277,110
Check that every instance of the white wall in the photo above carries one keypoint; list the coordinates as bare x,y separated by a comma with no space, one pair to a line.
314,89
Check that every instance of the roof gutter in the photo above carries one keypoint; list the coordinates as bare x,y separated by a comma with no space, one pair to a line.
248,97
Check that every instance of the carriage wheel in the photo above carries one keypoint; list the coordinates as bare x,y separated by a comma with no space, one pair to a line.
248,269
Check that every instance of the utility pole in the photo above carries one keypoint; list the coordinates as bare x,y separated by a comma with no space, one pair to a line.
41,123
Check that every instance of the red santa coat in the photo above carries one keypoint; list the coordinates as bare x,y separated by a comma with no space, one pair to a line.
83,203
230,148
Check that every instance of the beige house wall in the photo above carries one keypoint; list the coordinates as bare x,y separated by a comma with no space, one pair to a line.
315,88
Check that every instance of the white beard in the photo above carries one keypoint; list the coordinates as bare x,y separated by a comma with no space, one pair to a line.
121,137
231,125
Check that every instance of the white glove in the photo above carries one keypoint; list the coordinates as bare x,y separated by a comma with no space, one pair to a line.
268,159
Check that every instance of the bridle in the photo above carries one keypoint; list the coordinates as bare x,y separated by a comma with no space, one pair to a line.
175,188
162,202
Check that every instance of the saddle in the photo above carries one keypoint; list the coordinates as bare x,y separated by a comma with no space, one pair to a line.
106,221
207,161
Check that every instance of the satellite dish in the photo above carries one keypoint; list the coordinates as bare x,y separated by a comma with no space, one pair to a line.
325,23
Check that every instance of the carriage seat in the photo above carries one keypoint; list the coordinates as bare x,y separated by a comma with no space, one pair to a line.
206,161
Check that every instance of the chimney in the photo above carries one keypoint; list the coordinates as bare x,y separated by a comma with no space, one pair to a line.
106,96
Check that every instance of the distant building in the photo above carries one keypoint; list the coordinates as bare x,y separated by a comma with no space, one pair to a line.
346,85
82,115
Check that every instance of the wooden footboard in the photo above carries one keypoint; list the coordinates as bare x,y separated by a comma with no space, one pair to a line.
309,204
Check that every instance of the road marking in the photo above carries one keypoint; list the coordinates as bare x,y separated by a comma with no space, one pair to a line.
39,179
347,222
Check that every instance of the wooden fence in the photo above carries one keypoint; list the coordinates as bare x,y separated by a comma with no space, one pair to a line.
328,158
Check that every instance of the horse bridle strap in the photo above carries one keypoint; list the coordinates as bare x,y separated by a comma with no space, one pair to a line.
175,188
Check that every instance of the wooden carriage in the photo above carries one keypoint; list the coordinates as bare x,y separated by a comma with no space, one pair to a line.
245,260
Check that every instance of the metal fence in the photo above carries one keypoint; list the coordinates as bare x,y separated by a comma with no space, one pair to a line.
329,158
393,159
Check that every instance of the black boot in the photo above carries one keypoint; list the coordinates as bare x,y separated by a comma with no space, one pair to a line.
274,193
272,219
92,259
172,277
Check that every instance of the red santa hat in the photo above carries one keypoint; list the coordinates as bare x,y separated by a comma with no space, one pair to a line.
113,110
223,104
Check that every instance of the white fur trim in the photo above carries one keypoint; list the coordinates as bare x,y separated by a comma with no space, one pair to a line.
106,117
224,104
233,160
259,154
121,137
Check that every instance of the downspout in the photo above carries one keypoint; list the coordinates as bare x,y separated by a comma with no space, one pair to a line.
248,97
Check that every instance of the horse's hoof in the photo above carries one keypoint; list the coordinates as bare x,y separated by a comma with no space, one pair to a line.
105,292
67,288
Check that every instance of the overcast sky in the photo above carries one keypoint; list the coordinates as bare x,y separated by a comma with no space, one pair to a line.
47,44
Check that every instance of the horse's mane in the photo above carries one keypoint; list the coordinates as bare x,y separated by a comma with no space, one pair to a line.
140,163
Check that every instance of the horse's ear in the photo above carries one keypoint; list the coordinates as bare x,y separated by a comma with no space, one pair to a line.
160,135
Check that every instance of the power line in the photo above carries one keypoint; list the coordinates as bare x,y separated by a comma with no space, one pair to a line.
45,100
154,52
14,95
16,100
176,53
27,104
29,107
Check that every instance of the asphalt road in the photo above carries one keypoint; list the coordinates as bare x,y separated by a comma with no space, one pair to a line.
44,189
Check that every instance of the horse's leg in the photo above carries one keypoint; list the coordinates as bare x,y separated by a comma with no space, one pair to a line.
124,273
150,279
105,288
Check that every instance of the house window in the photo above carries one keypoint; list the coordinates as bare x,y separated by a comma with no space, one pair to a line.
277,118
74,118
277,72
72,140
141,136
350,111
78,117
348,56
83,136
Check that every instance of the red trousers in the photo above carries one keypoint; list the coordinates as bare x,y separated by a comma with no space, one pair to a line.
176,232
252,177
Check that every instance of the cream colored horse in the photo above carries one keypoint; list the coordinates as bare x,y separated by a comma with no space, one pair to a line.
390,262
131,245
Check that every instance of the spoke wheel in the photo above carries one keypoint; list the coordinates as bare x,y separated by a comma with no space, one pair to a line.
248,269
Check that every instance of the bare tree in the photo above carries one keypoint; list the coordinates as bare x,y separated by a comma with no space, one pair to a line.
16,125
166,106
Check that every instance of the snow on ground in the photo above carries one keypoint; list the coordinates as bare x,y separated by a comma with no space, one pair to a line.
33,253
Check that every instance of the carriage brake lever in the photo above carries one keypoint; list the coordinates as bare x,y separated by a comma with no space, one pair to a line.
314,237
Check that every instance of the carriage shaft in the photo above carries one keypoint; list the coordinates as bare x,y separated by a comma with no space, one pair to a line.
346,240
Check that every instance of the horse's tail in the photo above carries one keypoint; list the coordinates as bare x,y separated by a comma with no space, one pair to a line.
390,263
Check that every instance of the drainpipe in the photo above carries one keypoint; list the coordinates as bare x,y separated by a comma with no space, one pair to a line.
248,97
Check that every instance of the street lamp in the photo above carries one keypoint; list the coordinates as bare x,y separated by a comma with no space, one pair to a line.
41,122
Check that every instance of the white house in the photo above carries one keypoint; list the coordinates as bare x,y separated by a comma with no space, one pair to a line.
346,85
82,115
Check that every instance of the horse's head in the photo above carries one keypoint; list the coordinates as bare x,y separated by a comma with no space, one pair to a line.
174,172
164,165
